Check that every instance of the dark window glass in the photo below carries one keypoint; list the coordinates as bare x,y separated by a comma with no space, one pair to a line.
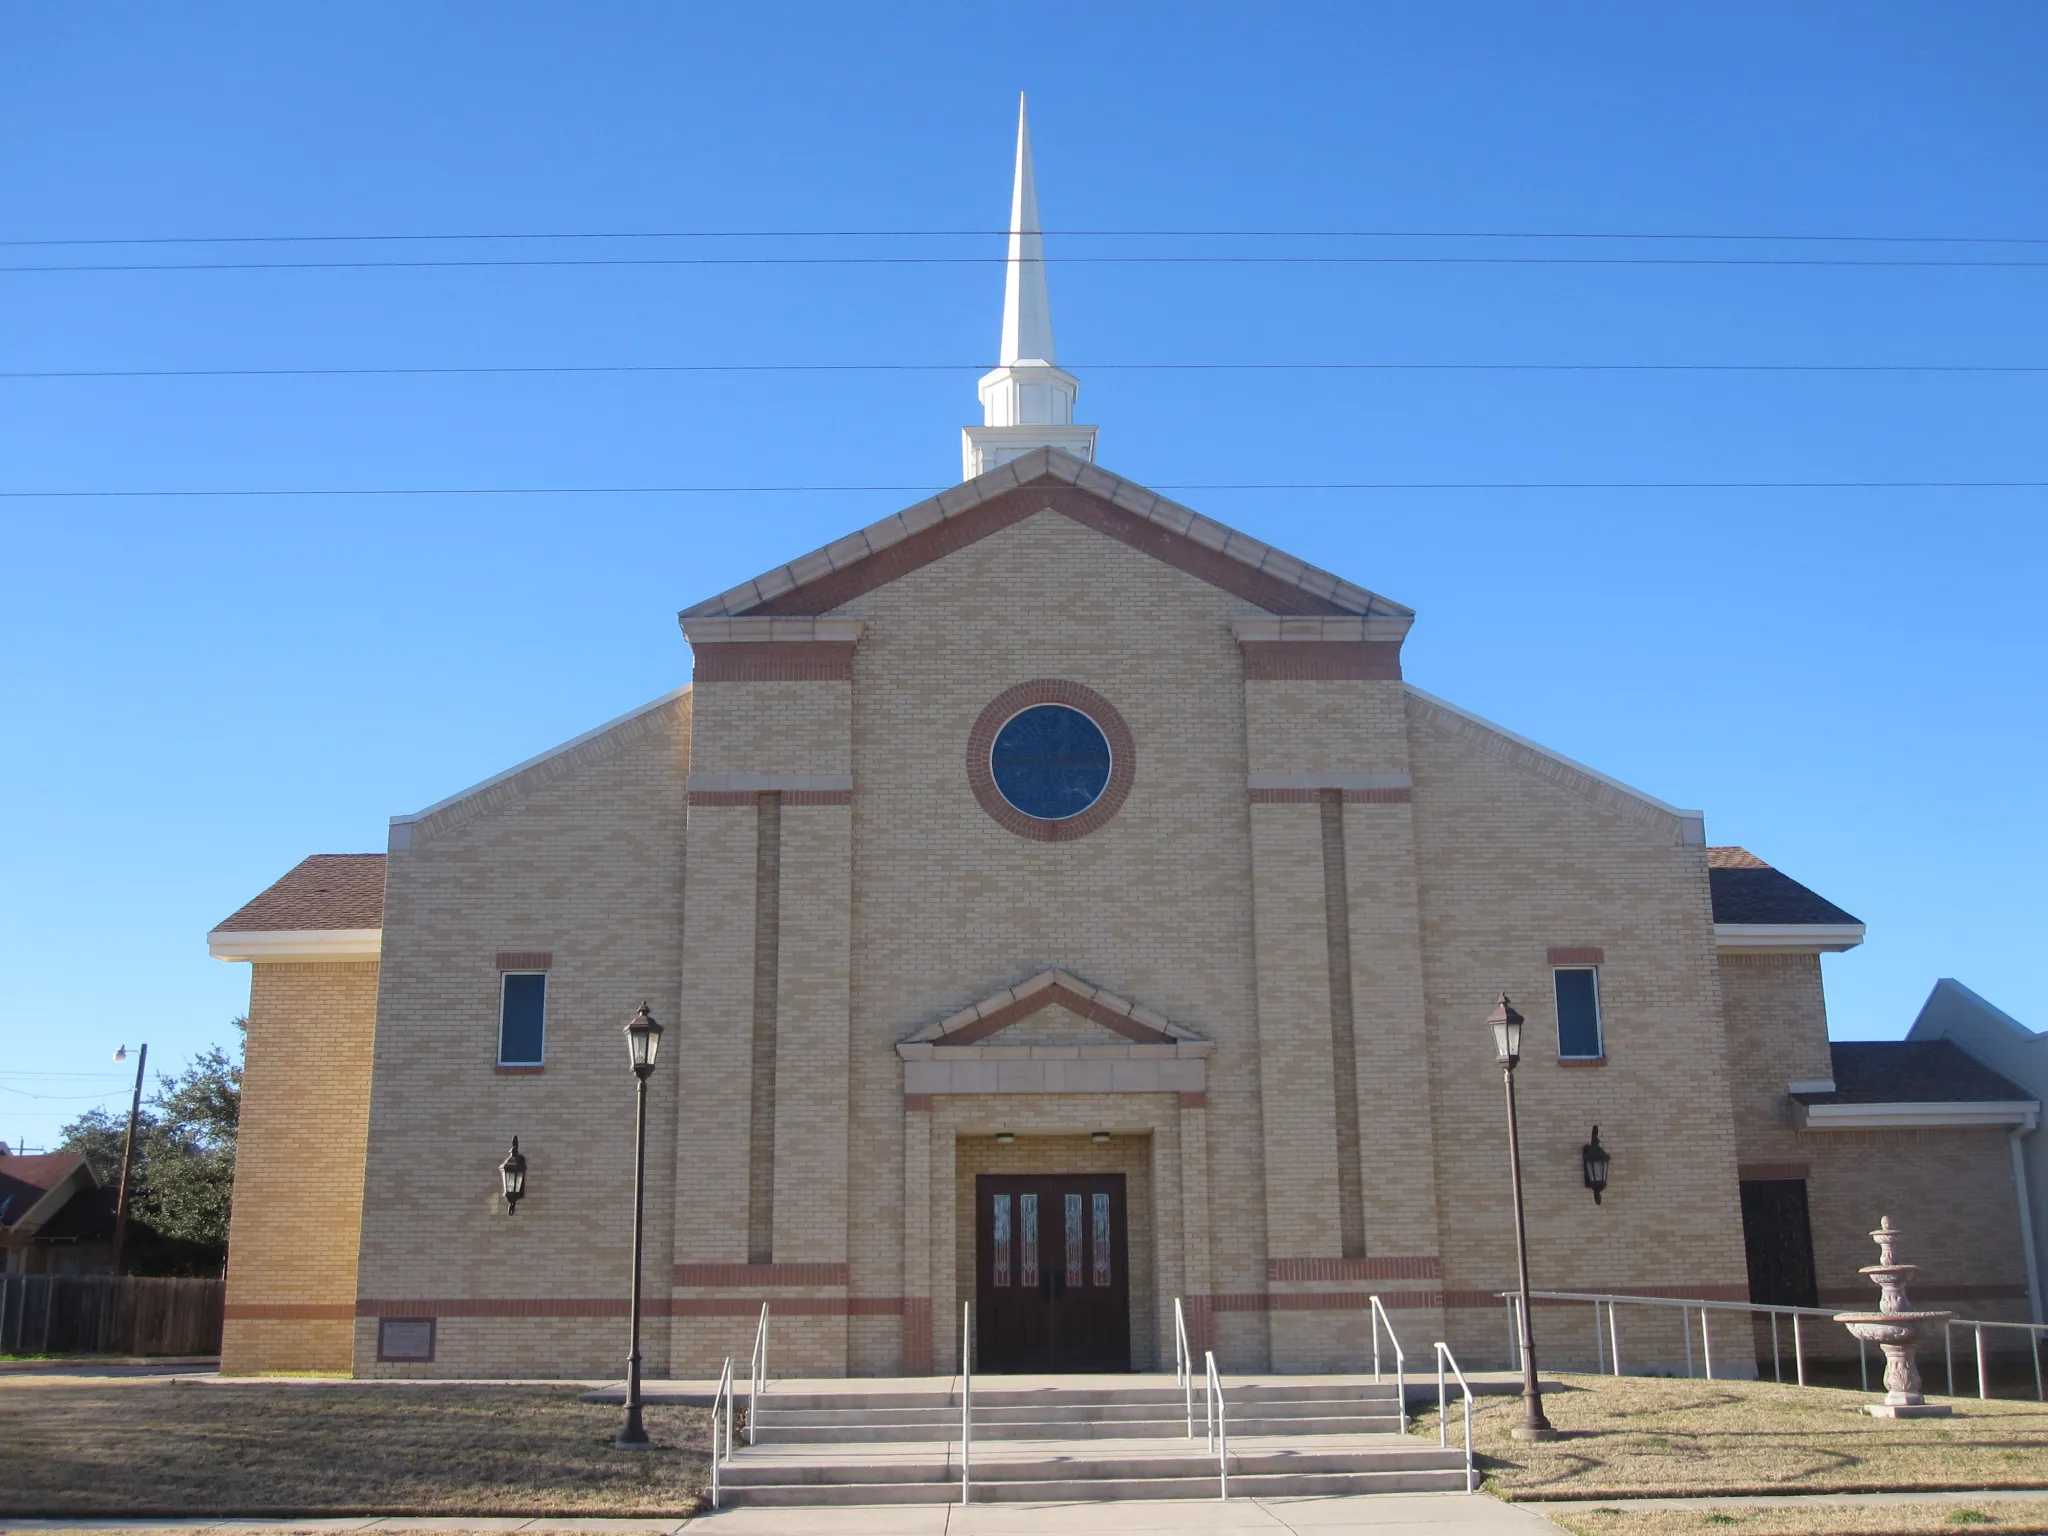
1578,1012
1050,761
522,1016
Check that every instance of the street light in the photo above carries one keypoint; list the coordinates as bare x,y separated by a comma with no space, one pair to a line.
1506,1024
643,1044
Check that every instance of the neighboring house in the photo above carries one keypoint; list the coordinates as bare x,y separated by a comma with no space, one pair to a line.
55,1216
2019,1055
1058,902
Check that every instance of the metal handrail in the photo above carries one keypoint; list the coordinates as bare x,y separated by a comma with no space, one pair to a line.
1443,1357
1183,1365
757,1373
966,1398
1611,1365
724,1397
1219,1428
1379,1315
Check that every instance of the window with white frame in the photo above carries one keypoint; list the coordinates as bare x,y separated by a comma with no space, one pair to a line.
522,1018
1578,1013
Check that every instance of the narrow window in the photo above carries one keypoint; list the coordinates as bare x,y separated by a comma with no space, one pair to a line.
1100,1209
522,1018
1002,1240
1578,1012
1027,1241
1074,1241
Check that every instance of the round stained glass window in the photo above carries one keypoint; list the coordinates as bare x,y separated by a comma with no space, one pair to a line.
1050,762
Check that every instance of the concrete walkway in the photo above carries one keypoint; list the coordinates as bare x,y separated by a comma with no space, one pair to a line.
1393,1514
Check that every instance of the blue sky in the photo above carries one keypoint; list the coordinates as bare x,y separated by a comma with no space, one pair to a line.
198,691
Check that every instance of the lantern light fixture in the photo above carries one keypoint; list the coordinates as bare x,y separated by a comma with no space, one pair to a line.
643,1041
1506,1023
1004,1138
1595,1159
1098,1137
512,1174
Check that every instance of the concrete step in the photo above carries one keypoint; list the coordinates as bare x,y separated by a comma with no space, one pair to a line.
1085,1490
1108,1401
1066,1462
1071,1411
779,1433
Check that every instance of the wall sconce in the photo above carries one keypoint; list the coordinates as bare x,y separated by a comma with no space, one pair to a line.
512,1173
1098,1137
1004,1138
1595,1159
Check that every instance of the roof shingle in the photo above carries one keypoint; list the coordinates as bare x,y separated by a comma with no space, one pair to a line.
1747,890
1912,1072
328,890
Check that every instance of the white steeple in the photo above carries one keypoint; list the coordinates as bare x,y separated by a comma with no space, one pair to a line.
1027,402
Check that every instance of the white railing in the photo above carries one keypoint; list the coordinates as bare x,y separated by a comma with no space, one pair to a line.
722,1400
1379,1316
757,1374
1443,1424
966,1399
1607,1347
1219,1428
1183,1365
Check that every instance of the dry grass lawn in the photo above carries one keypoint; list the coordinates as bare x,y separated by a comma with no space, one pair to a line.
2000,1517
1634,1437
303,1449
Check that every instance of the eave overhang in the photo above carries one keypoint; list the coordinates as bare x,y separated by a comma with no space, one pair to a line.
297,944
2021,1114
1790,938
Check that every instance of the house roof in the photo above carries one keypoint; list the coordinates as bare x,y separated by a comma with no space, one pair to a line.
1747,890
1912,1072
26,1181
1266,577
86,1217
327,890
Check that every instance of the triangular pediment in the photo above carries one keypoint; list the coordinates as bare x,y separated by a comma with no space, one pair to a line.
1267,578
1007,1010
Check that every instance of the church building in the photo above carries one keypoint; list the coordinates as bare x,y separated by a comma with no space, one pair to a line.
1060,903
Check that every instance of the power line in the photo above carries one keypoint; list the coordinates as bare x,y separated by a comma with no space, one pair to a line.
629,368
978,261
1156,234
1359,485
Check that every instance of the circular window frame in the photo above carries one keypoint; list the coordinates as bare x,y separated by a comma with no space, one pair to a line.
1012,702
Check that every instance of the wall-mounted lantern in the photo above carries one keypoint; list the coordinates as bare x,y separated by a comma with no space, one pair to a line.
1004,1138
1098,1137
512,1174
1595,1158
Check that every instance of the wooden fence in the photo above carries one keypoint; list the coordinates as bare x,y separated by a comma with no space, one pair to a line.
109,1315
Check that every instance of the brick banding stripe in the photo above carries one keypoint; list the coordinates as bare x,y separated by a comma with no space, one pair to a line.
1084,507
652,1306
1194,1101
1400,796
917,1101
1773,1171
821,1273
525,1071
1123,758
1067,998
751,797
774,661
1322,661
287,1311
1421,1266
1587,954
525,960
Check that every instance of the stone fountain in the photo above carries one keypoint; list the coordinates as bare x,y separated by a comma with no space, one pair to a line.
1896,1329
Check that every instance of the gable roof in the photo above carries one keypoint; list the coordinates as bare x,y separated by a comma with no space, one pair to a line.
1747,890
999,1010
327,890
1912,1072
1047,478
31,1183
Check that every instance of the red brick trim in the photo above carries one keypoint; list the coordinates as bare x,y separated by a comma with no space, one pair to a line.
1763,1171
1123,758
1590,954
761,1274
1194,1101
527,1071
1583,1061
751,798
1401,796
1321,661
652,1306
915,1101
774,661
525,960
799,797
1003,1017
1084,507
917,1335
1424,1266
287,1311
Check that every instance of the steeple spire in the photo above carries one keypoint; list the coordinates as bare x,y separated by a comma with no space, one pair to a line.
1028,401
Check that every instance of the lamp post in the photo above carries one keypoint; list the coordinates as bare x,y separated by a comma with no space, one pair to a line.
127,1158
1506,1024
643,1042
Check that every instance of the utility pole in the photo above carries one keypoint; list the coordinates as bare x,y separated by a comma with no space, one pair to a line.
128,1153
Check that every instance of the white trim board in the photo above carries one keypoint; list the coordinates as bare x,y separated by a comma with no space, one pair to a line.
1804,938
296,944
2023,1113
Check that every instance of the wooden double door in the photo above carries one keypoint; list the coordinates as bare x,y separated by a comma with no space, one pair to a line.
1052,1273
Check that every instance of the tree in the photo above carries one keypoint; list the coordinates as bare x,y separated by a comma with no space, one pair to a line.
184,1178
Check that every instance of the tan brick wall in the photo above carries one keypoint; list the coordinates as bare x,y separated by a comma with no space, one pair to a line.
580,856
299,1167
1777,1035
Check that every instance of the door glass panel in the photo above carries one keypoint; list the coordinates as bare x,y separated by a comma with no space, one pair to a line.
1074,1241
1101,1237
1002,1245
1027,1240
